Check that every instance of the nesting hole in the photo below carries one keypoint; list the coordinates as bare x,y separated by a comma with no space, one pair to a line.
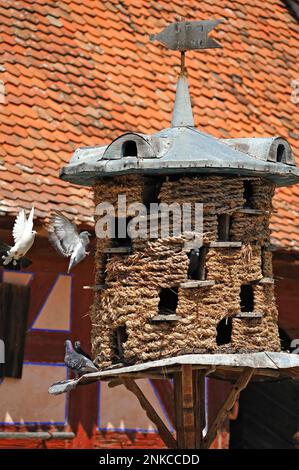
224,224
246,298
281,153
122,238
168,300
197,264
248,194
224,331
119,337
129,149
151,190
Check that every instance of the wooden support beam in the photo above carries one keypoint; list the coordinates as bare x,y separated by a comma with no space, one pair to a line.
137,376
240,384
188,407
199,393
189,401
164,432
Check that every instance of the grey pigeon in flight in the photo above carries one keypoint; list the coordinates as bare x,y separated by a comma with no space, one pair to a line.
23,236
78,349
64,236
77,362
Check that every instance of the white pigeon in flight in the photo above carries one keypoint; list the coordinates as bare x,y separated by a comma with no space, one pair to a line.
23,236
64,236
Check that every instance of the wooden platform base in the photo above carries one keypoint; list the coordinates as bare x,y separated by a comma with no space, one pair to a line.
188,373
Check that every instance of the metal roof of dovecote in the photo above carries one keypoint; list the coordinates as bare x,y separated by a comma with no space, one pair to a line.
182,148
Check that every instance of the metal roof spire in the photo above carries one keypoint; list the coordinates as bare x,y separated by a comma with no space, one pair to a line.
182,112
183,36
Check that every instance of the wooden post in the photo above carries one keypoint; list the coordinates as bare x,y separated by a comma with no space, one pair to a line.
187,399
188,407
199,392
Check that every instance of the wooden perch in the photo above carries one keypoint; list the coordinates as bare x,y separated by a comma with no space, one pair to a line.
95,288
266,280
249,315
195,283
118,249
225,244
164,432
170,317
248,210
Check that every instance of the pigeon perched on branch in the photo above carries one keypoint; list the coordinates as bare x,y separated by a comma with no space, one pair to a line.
77,362
64,236
23,236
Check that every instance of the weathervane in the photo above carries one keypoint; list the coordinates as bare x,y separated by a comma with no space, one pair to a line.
183,36
187,35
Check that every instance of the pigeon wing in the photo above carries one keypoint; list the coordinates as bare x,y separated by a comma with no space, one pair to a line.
89,366
74,361
19,226
29,224
63,234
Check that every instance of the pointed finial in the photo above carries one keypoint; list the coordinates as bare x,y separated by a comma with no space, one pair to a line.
182,112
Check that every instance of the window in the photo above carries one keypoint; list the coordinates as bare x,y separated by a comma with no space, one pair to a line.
129,149
248,194
168,301
224,331
197,269
246,298
224,221
120,336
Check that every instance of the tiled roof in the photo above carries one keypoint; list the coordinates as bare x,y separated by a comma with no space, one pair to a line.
80,73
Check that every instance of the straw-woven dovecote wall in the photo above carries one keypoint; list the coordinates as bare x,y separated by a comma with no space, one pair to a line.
232,306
